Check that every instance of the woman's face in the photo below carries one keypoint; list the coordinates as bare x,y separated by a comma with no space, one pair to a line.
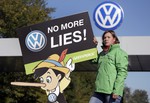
108,39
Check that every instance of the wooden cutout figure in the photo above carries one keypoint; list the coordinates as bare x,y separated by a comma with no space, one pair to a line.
54,76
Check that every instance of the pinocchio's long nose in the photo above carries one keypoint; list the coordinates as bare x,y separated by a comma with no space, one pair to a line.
28,84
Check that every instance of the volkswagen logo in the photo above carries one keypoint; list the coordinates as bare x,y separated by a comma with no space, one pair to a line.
52,97
108,15
36,41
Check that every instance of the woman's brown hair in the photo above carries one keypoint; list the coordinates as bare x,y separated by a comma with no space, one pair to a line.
113,34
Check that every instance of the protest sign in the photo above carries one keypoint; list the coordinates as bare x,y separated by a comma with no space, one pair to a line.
73,33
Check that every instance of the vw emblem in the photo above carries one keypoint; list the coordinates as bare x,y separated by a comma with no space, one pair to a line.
52,97
108,15
36,41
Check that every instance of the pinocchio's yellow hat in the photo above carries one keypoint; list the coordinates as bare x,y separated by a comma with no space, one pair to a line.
53,63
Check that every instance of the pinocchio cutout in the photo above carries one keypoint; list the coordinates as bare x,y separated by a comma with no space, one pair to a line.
54,75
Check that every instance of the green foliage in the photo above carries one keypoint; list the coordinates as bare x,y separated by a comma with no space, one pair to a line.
18,13
138,96
81,87
11,64
16,94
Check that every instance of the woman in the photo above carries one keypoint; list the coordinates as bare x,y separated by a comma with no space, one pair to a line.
112,70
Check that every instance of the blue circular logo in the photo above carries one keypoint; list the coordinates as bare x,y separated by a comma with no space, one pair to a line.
52,97
36,41
108,16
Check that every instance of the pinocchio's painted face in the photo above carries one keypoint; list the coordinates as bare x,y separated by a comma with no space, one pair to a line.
50,79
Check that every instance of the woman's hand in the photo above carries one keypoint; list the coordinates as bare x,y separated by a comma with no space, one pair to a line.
95,40
114,96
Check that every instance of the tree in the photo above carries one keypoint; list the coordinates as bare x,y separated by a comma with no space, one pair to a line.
127,95
81,87
16,14
19,13
138,96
